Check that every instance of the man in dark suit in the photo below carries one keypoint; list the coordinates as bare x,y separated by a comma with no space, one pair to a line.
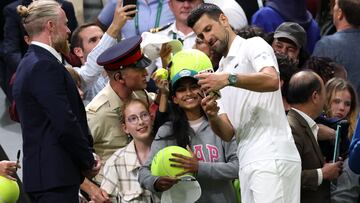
57,144
306,95
14,46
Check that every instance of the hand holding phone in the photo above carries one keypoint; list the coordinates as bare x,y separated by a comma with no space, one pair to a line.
130,2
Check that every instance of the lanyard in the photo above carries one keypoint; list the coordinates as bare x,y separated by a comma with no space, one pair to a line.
157,21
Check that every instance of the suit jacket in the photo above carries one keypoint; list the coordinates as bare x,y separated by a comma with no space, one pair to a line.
311,159
57,143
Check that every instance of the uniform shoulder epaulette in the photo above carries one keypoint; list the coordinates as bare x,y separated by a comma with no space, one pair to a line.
96,103
158,29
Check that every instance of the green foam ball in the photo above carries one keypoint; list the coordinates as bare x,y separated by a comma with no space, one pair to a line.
163,73
9,190
160,165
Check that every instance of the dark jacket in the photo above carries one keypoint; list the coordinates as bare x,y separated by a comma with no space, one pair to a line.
57,143
311,159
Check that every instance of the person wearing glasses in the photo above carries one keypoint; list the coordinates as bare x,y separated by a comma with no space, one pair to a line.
121,169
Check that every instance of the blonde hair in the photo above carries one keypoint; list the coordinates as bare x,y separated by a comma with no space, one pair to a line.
335,85
37,13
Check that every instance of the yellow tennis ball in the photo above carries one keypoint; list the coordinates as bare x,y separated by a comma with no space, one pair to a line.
9,190
161,165
163,73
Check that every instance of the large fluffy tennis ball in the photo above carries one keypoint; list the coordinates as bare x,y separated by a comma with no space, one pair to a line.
161,165
9,190
163,73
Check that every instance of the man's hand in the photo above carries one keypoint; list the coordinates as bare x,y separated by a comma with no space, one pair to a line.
164,183
98,195
95,169
8,168
212,81
332,170
190,164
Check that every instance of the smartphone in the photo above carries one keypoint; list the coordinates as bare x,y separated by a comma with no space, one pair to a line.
129,2
213,93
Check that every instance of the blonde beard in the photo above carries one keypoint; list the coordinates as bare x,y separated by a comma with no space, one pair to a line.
60,45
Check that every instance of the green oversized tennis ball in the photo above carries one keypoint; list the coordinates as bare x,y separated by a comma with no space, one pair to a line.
160,165
9,190
163,73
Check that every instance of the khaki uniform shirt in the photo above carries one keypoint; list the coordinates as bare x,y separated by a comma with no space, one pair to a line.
104,114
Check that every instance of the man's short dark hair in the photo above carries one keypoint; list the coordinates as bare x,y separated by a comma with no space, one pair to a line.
301,87
322,66
211,10
351,9
76,41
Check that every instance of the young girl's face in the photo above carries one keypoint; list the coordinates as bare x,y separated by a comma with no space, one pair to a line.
138,122
187,94
340,104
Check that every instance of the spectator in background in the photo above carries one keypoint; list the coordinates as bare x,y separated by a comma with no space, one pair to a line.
14,46
343,46
250,31
150,14
278,11
290,39
323,66
57,143
306,95
83,41
341,104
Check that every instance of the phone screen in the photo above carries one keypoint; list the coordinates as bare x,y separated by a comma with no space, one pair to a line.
130,2
213,93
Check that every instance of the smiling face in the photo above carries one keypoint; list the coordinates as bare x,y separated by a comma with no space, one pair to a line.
340,104
187,94
138,122
214,32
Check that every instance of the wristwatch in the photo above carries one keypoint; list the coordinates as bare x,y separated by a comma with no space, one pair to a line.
232,79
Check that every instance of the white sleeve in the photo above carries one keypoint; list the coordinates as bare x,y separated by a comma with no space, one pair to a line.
261,54
91,71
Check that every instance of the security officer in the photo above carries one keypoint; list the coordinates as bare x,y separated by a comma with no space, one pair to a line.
125,66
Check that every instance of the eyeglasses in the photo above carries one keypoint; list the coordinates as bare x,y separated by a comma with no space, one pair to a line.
134,119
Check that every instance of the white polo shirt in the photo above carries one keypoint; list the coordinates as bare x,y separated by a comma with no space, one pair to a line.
262,130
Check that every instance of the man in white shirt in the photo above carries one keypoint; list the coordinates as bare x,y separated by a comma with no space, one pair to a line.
248,79
306,95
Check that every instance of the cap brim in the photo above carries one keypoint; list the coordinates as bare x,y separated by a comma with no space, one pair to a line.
143,62
287,36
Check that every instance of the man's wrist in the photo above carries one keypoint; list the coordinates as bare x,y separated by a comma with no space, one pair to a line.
232,79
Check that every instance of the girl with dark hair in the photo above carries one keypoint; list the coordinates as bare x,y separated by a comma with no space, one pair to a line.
192,120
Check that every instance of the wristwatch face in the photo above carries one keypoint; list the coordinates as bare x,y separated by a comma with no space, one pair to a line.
232,79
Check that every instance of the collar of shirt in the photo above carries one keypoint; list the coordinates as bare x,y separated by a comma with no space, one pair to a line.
313,126
131,161
180,34
49,48
233,52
